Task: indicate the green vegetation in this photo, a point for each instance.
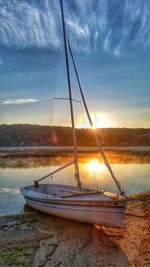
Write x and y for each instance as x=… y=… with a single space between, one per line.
x=14 y=256
x=37 y=135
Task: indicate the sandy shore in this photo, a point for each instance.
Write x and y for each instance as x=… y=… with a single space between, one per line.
x=35 y=239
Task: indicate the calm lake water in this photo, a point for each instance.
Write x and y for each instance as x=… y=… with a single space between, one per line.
x=131 y=169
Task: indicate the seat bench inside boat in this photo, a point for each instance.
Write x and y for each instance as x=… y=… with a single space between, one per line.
x=66 y=191
x=59 y=190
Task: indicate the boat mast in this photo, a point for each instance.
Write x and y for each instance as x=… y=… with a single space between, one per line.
x=77 y=176
x=91 y=124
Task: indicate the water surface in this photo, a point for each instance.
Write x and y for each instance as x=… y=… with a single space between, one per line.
x=131 y=169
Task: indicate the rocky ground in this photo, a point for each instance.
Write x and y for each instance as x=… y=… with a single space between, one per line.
x=38 y=240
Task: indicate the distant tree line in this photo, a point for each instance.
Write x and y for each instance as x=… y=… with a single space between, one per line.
x=37 y=135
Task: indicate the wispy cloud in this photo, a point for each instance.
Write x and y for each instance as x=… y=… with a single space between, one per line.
x=1 y=62
x=18 y=101
x=104 y=23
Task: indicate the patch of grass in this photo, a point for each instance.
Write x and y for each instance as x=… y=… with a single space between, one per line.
x=15 y=255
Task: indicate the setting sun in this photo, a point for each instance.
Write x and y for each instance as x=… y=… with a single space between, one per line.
x=100 y=120
x=94 y=128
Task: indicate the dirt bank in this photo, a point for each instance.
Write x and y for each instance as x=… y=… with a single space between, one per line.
x=34 y=239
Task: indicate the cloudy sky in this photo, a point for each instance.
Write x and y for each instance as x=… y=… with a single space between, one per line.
x=111 y=43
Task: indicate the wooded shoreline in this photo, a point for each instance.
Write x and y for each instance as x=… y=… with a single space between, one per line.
x=40 y=135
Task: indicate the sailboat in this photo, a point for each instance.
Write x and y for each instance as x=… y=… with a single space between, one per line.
x=70 y=202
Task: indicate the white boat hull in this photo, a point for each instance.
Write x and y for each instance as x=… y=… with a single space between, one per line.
x=85 y=209
x=99 y=215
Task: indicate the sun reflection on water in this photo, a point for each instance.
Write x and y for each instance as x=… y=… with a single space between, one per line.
x=94 y=165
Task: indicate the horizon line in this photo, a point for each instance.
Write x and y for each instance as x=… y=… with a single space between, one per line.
x=67 y=126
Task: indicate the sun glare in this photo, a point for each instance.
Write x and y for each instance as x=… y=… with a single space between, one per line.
x=94 y=165
x=100 y=120
x=94 y=128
